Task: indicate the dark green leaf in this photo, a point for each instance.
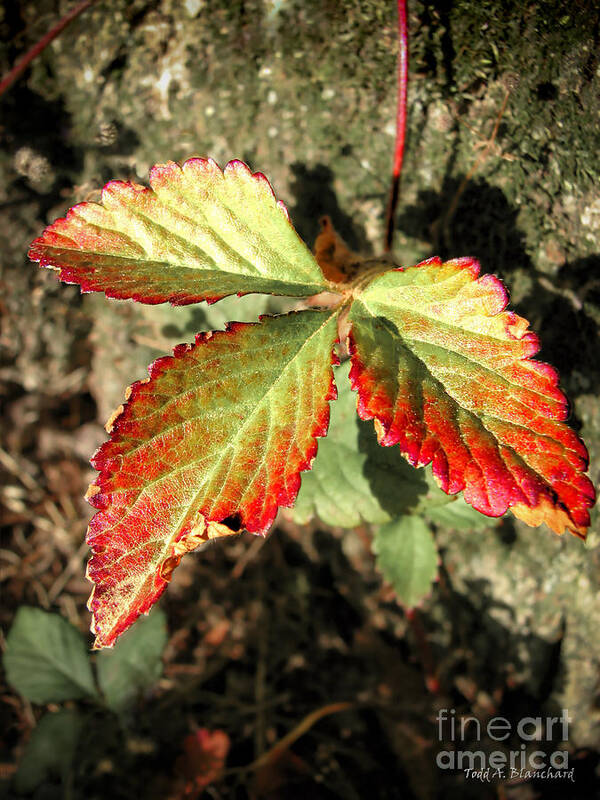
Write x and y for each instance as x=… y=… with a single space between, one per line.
x=50 y=751
x=354 y=479
x=135 y=662
x=46 y=658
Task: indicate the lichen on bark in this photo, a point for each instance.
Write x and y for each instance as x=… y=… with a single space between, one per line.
x=305 y=92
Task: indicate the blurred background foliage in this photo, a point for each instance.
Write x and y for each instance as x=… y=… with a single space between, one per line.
x=502 y=163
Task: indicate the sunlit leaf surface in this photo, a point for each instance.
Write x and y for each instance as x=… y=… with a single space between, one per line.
x=447 y=374
x=198 y=234
x=214 y=442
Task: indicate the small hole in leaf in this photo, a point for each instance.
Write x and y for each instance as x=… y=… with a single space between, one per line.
x=234 y=522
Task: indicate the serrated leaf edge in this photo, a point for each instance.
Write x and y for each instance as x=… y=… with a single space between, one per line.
x=187 y=539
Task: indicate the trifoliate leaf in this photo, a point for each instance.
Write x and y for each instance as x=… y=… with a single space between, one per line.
x=448 y=375
x=198 y=234
x=213 y=442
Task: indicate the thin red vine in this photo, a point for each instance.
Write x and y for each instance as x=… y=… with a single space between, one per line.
x=37 y=48
x=400 y=123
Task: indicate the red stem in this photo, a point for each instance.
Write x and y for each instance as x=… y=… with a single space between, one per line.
x=37 y=48
x=400 y=123
x=431 y=680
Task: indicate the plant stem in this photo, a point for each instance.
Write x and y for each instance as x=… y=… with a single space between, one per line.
x=301 y=728
x=400 y=123
x=41 y=45
x=431 y=680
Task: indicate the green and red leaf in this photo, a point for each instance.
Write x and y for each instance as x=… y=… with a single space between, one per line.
x=212 y=443
x=200 y=233
x=354 y=480
x=448 y=375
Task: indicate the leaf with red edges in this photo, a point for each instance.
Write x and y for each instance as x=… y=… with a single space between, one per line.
x=212 y=443
x=447 y=374
x=198 y=234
